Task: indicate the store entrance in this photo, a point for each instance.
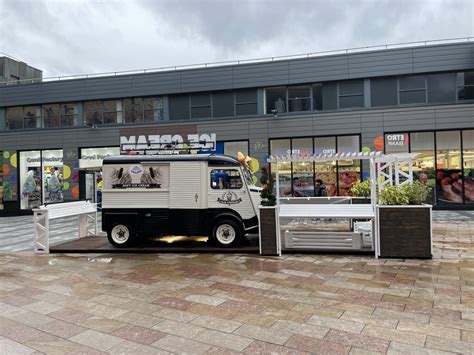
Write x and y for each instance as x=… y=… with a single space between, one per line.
x=93 y=187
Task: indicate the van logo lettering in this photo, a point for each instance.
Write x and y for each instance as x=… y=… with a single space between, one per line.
x=229 y=198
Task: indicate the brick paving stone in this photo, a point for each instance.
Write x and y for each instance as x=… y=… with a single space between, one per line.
x=397 y=348
x=429 y=329
x=101 y=324
x=139 y=319
x=175 y=303
x=316 y=346
x=177 y=328
x=369 y=319
x=20 y=333
x=139 y=334
x=301 y=329
x=42 y=307
x=8 y=346
x=70 y=315
x=357 y=340
x=260 y=347
x=458 y=346
x=394 y=335
x=272 y=335
x=61 y=329
x=97 y=340
x=340 y=324
x=204 y=299
x=181 y=345
x=224 y=340
x=132 y=348
x=223 y=325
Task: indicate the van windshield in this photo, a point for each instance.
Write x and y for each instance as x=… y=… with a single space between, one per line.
x=248 y=177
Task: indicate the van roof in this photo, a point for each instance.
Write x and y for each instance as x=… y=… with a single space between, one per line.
x=213 y=159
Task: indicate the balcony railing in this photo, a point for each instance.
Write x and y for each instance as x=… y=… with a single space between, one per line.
x=245 y=61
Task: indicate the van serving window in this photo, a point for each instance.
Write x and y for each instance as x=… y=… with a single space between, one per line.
x=225 y=179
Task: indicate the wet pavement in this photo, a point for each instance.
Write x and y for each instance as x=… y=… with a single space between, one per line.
x=222 y=304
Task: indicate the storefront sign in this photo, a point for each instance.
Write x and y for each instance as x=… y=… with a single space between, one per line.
x=142 y=143
x=400 y=140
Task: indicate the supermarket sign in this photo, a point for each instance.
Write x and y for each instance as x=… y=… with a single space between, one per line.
x=396 y=140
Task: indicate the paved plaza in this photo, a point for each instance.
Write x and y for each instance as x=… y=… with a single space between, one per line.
x=224 y=304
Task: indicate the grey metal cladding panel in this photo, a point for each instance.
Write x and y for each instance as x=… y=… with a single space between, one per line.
x=257 y=75
x=15 y=95
x=108 y=87
x=449 y=58
x=189 y=76
x=400 y=55
x=156 y=83
x=72 y=90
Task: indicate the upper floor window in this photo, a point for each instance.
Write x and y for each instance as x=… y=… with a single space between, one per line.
x=223 y=104
x=152 y=109
x=226 y=179
x=275 y=100
x=383 y=92
x=465 y=85
x=412 y=89
x=201 y=105
x=14 y=117
x=351 y=94
x=246 y=102
x=59 y=115
x=441 y=87
x=299 y=98
x=102 y=112
x=179 y=107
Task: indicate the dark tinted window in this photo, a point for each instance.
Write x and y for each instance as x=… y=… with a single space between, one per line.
x=179 y=107
x=317 y=97
x=412 y=89
x=223 y=104
x=465 y=86
x=351 y=94
x=330 y=96
x=246 y=102
x=201 y=105
x=441 y=87
x=383 y=92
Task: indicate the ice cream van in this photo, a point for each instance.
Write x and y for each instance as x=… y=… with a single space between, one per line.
x=179 y=194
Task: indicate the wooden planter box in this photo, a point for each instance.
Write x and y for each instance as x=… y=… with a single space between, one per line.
x=269 y=231
x=404 y=231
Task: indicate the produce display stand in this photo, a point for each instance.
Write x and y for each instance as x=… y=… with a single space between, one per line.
x=396 y=169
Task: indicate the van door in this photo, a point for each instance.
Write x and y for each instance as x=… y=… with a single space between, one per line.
x=227 y=191
x=187 y=200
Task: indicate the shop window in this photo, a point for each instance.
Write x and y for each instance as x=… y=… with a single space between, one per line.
x=41 y=177
x=133 y=110
x=68 y=115
x=93 y=113
x=441 y=88
x=303 y=172
x=51 y=116
x=179 y=107
x=275 y=100
x=229 y=179
x=1 y=180
x=200 y=105
x=281 y=147
x=14 y=117
x=383 y=92
x=348 y=171
x=465 y=85
x=330 y=96
x=299 y=98
x=351 y=94
x=152 y=109
x=422 y=143
x=412 y=89
x=223 y=104
x=317 y=97
x=448 y=165
x=325 y=171
x=246 y=102
x=232 y=148
x=468 y=155
x=32 y=116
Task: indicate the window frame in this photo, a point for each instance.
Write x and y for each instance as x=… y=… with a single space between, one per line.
x=226 y=170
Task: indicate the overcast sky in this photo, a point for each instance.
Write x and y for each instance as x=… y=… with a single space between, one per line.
x=76 y=37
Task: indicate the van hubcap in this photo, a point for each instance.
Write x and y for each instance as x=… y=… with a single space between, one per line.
x=120 y=234
x=225 y=234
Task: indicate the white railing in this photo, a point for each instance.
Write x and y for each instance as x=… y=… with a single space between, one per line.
x=244 y=61
x=85 y=210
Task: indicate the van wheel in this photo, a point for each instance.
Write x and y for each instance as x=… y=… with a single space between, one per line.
x=226 y=233
x=121 y=236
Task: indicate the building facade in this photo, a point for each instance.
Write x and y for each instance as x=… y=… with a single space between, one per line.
x=412 y=99
x=13 y=71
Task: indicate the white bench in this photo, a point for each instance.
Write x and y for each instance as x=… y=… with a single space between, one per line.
x=321 y=239
x=85 y=210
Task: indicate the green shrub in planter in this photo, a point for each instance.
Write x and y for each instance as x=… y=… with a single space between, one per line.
x=408 y=194
x=361 y=189
x=268 y=198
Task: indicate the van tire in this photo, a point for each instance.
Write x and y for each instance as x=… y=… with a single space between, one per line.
x=121 y=235
x=226 y=233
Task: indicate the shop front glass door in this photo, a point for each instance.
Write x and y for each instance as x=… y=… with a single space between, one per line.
x=449 y=180
x=303 y=173
x=468 y=157
x=325 y=171
x=422 y=143
x=348 y=170
x=281 y=147
x=30 y=179
x=52 y=167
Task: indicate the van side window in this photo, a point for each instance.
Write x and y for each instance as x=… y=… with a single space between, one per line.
x=225 y=179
